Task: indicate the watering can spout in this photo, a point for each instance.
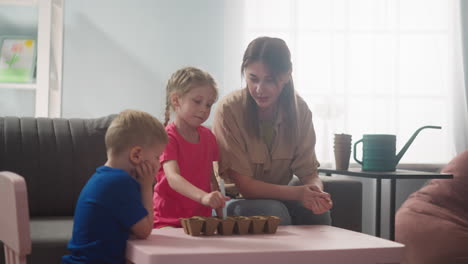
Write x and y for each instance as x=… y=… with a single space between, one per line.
x=407 y=145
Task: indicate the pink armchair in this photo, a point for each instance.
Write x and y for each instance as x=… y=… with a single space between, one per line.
x=14 y=223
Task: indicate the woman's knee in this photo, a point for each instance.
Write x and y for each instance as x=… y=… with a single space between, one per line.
x=303 y=216
x=245 y=207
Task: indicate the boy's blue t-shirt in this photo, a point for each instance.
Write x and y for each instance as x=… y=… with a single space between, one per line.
x=108 y=206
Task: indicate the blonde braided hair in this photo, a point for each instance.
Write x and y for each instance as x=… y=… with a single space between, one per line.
x=181 y=82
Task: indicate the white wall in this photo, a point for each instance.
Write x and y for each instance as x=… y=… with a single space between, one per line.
x=464 y=18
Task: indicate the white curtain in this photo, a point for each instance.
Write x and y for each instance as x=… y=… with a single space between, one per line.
x=366 y=66
x=459 y=91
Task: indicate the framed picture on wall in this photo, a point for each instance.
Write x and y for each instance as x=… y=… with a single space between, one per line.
x=17 y=59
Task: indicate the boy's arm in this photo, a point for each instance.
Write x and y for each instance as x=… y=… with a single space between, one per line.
x=181 y=185
x=145 y=175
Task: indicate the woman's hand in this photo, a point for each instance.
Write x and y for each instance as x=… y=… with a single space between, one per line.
x=316 y=200
x=214 y=200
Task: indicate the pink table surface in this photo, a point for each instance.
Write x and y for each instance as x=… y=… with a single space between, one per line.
x=290 y=244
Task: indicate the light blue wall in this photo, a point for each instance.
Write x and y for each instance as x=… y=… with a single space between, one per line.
x=119 y=54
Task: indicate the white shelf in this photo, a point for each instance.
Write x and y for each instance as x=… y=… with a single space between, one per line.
x=48 y=85
x=21 y=86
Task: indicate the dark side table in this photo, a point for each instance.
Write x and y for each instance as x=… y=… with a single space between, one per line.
x=392 y=176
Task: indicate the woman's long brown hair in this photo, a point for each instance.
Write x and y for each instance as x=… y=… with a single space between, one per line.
x=275 y=55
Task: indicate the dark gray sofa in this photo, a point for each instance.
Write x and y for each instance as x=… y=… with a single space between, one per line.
x=57 y=156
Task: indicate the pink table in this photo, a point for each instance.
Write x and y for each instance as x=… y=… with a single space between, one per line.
x=291 y=244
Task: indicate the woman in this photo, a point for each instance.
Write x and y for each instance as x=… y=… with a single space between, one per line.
x=265 y=135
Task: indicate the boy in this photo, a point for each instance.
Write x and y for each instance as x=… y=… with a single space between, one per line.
x=117 y=200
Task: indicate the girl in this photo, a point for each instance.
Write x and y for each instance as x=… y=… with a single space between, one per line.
x=183 y=182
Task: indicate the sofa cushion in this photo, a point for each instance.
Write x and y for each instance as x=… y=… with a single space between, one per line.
x=433 y=222
x=347 y=201
x=49 y=236
x=51 y=230
x=55 y=156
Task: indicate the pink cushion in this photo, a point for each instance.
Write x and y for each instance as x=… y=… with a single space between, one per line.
x=433 y=222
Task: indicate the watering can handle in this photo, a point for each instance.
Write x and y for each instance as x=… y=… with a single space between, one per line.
x=354 y=151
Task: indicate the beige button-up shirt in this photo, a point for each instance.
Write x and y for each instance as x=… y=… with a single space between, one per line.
x=250 y=156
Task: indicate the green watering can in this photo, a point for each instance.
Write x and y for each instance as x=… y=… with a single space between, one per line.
x=378 y=151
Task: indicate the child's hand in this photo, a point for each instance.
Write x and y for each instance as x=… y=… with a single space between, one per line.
x=214 y=200
x=145 y=173
x=316 y=200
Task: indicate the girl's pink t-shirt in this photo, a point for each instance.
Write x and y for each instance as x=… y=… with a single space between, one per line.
x=195 y=162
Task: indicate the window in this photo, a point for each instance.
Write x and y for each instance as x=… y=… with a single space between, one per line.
x=368 y=67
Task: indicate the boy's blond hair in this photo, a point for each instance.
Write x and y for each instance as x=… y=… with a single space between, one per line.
x=133 y=127
x=182 y=81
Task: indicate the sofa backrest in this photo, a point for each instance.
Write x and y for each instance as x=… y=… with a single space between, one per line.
x=55 y=156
